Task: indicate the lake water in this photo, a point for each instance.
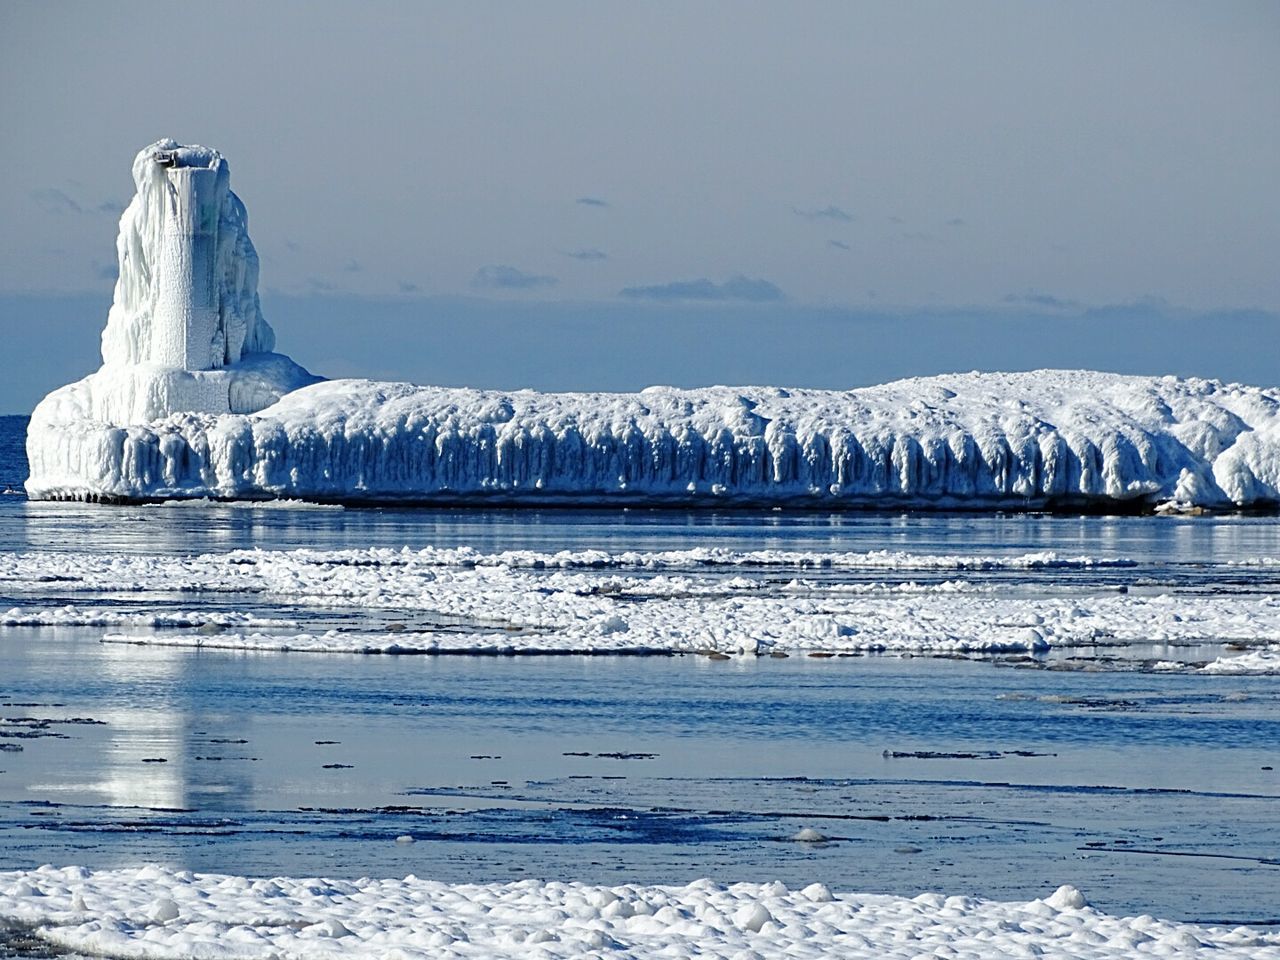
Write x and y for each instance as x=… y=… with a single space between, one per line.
x=1001 y=777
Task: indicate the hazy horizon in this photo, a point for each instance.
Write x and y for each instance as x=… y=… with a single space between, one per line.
x=786 y=178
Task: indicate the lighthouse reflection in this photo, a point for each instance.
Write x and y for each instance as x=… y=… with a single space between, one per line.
x=166 y=749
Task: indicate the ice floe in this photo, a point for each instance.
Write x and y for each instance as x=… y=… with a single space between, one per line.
x=1257 y=661
x=464 y=601
x=70 y=615
x=152 y=912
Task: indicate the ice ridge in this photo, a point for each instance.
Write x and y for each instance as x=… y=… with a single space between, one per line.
x=1024 y=440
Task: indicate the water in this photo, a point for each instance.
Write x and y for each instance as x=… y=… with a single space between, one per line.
x=998 y=777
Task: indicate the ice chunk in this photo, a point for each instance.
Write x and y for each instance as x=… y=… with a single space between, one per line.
x=162 y=911
x=333 y=927
x=752 y=917
x=1067 y=897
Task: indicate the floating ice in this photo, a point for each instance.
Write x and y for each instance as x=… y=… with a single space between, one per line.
x=190 y=403
x=1263 y=660
x=462 y=601
x=157 y=913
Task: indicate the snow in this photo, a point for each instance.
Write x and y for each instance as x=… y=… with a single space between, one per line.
x=1263 y=660
x=191 y=403
x=154 y=912
x=752 y=602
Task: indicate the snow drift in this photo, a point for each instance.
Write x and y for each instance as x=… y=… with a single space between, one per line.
x=191 y=403
x=157 y=913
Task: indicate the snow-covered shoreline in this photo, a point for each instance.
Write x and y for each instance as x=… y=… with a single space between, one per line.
x=155 y=913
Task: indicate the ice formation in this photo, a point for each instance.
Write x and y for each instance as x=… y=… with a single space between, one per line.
x=188 y=404
x=158 y=913
x=184 y=334
x=443 y=601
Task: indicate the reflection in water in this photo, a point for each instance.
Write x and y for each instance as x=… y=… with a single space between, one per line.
x=156 y=748
x=206 y=527
x=144 y=758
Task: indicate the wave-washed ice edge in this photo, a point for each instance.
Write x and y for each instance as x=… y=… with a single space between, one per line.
x=73 y=616
x=154 y=913
x=718 y=601
x=1042 y=439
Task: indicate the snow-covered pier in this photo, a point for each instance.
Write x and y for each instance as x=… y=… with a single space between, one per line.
x=190 y=402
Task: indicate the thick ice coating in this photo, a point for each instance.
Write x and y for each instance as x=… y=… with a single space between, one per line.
x=190 y=404
x=187 y=293
x=1051 y=438
x=185 y=332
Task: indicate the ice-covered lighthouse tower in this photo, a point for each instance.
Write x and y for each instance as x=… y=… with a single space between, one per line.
x=187 y=332
x=187 y=297
x=184 y=336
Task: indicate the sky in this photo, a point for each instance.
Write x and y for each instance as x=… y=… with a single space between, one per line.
x=606 y=195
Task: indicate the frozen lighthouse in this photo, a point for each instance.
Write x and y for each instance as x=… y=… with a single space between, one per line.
x=185 y=334
x=186 y=301
x=192 y=186
x=191 y=402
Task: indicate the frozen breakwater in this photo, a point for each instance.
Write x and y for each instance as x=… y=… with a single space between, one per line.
x=190 y=402
x=1033 y=440
x=156 y=913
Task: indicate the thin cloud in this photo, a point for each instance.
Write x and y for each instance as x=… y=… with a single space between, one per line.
x=826 y=213
x=838 y=244
x=1033 y=299
x=589 y=254
x=592 y=202
x=499 y=276
x=53 y=200
x=735 y=288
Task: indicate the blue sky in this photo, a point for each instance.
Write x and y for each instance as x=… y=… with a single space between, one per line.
x=1092 y=183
